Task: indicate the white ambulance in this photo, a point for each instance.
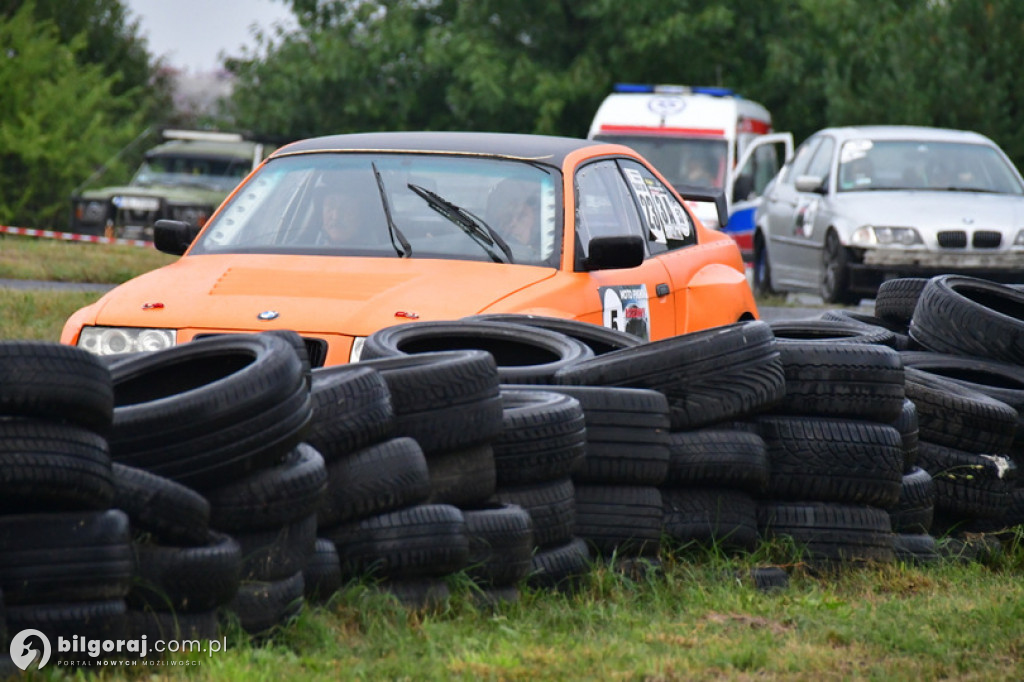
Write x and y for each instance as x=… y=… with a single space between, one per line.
x=703 y=140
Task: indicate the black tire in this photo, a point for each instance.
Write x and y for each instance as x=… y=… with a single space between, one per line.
x=600 y=339
x=851 y=380
x=906 y=424
x=762 y=284
x=718 y=457
x=835 y=272
x=261 y=605
x=627 y=434
x=999 y=380
x=524 y=355
x=92 y=619
x=969 y=316
x=833 y=460
x=708 y=376
x=173 y=513
x=50 y=466
x=916 y=548
x=900 y=338
x=619 y=520
x=500 y=544
x=301 y=351
x=831 y=332
x=271 y=497
x=915 y=510
x=422 y=541
x=897 y=298
x=950 y=414
x=462 y=477
x=278 y=553
x=968 y=484
x=710 y=516
x=67 y=556
x=544 y=437
x=186 y=579
x=561 y=567
x=208 y=411
x=375 y=480
x=351 y=407
x=446 y=400
x=47 y=380
x=322 y=575
x=830 y=532
x=551 y=506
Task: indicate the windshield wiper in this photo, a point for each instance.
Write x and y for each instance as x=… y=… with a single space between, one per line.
x=405 y=250
x=473 y=226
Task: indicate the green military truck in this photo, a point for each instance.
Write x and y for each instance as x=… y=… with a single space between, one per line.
x=184 y=178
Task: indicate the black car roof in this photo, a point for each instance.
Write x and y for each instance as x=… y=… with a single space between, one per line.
x=549 y=149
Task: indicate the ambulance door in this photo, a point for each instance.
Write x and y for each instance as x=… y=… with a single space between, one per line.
x=760 y=162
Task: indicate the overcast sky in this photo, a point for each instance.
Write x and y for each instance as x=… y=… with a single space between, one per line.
x=190 y=34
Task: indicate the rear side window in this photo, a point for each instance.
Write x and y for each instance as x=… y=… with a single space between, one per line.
x=668 y=224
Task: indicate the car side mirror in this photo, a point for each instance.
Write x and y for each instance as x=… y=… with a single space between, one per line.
x=710 y=196
x=614 y=253
x=810 y=183
x=173 y=236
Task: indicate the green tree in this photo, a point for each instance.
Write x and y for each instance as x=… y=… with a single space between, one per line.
x=61 y=120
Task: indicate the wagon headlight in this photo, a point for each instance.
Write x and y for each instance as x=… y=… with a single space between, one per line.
x=89 y=211
x=869 y=235
x=1019 y=241
x=118 y=340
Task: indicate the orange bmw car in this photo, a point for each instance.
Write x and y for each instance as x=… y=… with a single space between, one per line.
x=336 y=237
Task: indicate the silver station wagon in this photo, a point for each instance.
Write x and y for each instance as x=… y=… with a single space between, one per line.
x=859 y=205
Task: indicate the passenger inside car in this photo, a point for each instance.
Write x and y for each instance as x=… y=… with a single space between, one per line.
x=856 y=173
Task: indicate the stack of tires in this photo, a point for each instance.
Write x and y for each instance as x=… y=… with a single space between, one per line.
x=393 y=510
x=223 y=417
x=968 y=386
x=836 y=456
x=713 y=382
x=65 y=554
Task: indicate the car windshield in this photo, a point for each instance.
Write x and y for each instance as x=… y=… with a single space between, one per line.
x=198 y=171
x=872 y=165
x=689 y=161
x=394 y=205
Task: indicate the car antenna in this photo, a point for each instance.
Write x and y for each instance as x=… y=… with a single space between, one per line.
x=406 y=250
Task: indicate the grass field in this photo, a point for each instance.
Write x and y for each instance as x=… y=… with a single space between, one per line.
x=954 y=620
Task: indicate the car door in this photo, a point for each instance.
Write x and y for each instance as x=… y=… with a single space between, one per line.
x=759 y=163
x=672 y=238
x=781 y=203
x=809 y=221
x=639 y=300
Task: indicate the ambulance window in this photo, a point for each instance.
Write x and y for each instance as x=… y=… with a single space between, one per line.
x=604 y=207
x=668 y=223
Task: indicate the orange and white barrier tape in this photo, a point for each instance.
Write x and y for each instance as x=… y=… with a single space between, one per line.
x=71 y=236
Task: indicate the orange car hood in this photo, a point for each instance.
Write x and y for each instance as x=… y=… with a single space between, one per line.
x=311 y=294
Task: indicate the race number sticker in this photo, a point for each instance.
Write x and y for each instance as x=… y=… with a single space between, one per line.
x=665 y=217
x=625 y=308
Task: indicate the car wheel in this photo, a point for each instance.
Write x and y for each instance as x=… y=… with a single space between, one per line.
x=835 y=273
x=762 y=269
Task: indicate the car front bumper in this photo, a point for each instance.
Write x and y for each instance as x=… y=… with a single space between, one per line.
x=870 y=267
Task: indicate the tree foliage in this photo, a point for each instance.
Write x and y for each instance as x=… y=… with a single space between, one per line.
x=543 y=67
x=61 y=120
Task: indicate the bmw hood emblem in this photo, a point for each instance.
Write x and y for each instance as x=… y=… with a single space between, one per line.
x=269 y=315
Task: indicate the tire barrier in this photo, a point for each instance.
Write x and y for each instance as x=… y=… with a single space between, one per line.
x=225 y=481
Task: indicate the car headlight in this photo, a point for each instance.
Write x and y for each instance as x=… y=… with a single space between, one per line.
x=869 y=235
x=118 y=340
x=1019 y=241
x=90 y=211
x=357 y=349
